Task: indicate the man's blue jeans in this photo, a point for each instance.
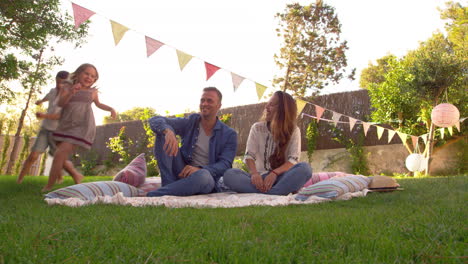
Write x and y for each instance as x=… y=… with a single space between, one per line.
x=199 y=182
x=286 y=183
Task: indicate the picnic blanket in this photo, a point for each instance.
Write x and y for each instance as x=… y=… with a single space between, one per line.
x=214 y=200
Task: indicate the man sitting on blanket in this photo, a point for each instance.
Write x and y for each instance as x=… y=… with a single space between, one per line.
x=208 y=149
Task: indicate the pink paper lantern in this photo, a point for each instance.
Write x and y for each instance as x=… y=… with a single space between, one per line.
x=445 y=115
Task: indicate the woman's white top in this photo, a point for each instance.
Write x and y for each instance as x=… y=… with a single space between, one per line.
x=260 y=146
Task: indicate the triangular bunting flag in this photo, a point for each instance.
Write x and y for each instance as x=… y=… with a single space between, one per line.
x=424 y=137
x=81 y=14
x=118 y=30
x=319 y=112
x=210 y=70
x=336 y=117
x=352 y=122
x=442 y=131
x=236 y=80
x=152 y=45
x=300 y=106
x=380 y=131
x=458 y=125
x=450 y=130
x=260 y=90
x=414 y=139
x=366 y=127
x=402 y=137
x=184 y=58
x=391 y=134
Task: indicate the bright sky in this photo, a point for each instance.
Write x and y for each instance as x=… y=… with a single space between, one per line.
x=237 y=36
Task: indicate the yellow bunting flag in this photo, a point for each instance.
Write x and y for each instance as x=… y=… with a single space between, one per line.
x=442 y=132
x=391 y=134
x=319 y=112
x=366 y=127
x=260 y=90
x=450 y=130
x=300 y=106
x=184 y=58
x=118 y=30
x=380 y=131
x=402 y=137
x=424 y=137
x=352 y=122
x=81 y=14
x=236 y=80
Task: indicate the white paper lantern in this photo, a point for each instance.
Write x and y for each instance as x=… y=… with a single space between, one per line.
x=445 y=115
x=415 y=162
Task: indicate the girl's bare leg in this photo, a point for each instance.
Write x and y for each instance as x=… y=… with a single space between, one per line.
x=27 y=165
x=77 y=177
x=64 y=149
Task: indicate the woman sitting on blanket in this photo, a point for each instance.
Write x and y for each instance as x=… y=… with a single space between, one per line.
x=272 y=153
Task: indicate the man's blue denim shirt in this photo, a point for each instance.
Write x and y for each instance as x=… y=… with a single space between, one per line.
x=223 y=141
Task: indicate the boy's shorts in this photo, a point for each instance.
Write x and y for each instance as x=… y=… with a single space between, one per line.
x=44 y=140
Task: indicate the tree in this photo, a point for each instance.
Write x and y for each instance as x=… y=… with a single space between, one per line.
x=136 y=113
x=312 y=55
x=375 y=74
x=28 y=29
x=457 y=27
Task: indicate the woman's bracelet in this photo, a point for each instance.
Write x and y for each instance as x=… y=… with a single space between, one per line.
x=274 y=172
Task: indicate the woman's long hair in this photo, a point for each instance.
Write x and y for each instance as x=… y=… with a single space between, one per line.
x=282 y=127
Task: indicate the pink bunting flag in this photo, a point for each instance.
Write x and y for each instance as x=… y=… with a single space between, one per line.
x=210 y=70
x=414 y=139
x=236 y=80
x=352 y=122
x=458 y=125
x=366 y=127
x=402 y=137
x=319 y=112
x=336 y=117
x=152 y=45
x=380 y=131
x=81 y=14
x=391 y=134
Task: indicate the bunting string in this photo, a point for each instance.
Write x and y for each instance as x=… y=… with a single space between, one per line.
x=82 y=14
x=336 y=117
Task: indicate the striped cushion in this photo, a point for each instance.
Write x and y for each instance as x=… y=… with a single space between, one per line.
x=90 y=190
x=134 y=173
x=334 y=187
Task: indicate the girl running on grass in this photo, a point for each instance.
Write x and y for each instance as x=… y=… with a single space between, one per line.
x=76 y=125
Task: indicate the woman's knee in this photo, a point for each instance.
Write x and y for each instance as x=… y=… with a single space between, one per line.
x=231 y=176
x=304 y=169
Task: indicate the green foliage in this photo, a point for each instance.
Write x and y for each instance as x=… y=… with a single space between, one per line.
x=27 y=28
x=88 y=162
x=311 y=136
x=43 y=163
x=312 y=54
x=226 y=119
x=240 y=164
x=135 y=113
x=121 y=145
x=355 y=149
x=457 y=27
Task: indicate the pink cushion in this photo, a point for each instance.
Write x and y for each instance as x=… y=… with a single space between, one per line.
x=322 y=176
x=134 y=173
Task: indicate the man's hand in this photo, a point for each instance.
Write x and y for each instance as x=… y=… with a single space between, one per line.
x=257 y=181
x=171 y=145
x=187 y=171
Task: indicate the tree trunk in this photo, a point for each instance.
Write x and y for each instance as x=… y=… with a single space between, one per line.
x=14 y=151
x=430 y=145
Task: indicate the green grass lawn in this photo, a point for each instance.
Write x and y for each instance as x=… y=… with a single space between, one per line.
x=425 y=223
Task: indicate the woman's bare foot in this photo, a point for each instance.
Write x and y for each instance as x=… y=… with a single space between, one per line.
x=78 y=178
x=46 y=189
x=20 y=178
x=59 y=180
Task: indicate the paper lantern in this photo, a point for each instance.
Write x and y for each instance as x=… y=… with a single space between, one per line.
x=415 y=162
x=445 y=115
